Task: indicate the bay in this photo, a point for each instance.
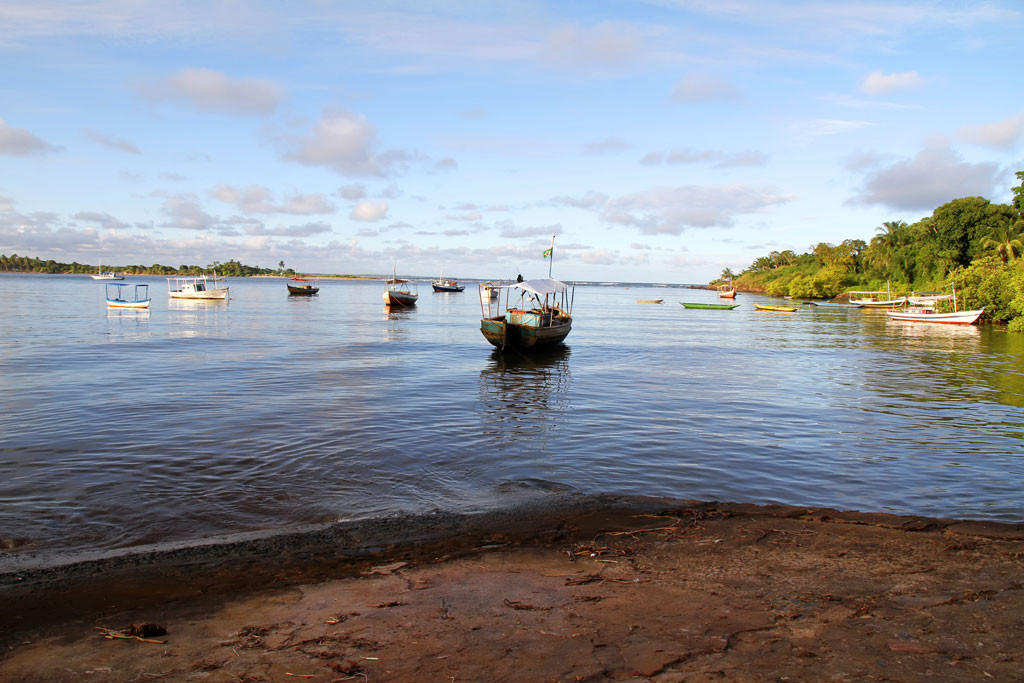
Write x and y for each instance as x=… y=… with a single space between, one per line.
x=120 y=428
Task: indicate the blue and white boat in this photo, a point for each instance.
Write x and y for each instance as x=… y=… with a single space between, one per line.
x=121 y=295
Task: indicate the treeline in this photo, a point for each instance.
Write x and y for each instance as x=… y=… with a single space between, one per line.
x=27 y=264
x=969 y=243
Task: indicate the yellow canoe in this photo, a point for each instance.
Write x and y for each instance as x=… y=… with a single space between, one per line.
x=779 y=309
x=649 y=301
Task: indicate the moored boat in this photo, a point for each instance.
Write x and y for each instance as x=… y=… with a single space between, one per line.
x=122 y=296
x=928 y=315
x=727 y=291
x=777 y=309
x=541 y=316
x=303 y=286
x=882 y=298
x=201 y=287
x=714 y=307
x=445 y=284
x=106 y=274
x=834 y=304
x=398 y=293
x=649 y=301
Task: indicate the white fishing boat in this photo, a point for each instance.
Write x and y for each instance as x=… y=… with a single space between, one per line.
x=925 y=313
x=106 y=274
x=881 y=298
x=203 y=287
x=927 y=299
x=489 y=292
x=398 y=292
x=121 y=295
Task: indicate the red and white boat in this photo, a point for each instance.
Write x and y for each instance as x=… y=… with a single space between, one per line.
x=928 y=315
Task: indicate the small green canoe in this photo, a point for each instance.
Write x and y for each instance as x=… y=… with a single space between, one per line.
x=715 y=307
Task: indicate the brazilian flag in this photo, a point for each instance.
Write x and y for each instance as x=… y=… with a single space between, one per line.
x=547 y=253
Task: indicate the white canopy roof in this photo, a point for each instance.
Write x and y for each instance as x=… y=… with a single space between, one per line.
x=541 y=286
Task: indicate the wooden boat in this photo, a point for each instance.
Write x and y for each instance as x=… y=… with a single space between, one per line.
x=714 y=307
x=538 y=315
x=398 y=292
x=928 y=315
x=649 y=301
x=489 y=292
x=834 y=304
x=118 y=296
x=106 y=274
x=727 y=291
x=200 y=287
x=303 y=286
x=446 y=285
x=777 y=309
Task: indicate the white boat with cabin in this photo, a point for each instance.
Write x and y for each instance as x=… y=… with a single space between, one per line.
x=202 y=287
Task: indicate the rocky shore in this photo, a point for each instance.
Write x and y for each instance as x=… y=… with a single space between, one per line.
x=580 y=588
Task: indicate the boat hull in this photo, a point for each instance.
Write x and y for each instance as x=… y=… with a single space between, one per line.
x=112 y=303
x=522 y=337
x=830 y=304
x=393 y=298
x=879 y=304
x=302 y=291
x=649 y=301
x=209 y=294
x=107 y=277
x=727 y=295
x=710 y=307
x=447 y=288
x=776 y=309
x=959 y=318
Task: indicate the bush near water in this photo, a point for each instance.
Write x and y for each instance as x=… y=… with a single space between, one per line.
x=969 y=243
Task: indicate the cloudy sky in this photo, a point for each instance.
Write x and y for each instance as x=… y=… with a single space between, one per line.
x=660 y=141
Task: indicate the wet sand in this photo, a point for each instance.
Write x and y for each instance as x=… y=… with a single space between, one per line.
x=583 y=588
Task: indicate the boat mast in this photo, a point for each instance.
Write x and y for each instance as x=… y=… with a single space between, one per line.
x=551 y=258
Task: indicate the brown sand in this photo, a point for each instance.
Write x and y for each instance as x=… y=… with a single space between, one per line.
x=604 y=590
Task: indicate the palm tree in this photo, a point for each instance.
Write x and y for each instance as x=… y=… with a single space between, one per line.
x=727 y=275
x=1007 y=240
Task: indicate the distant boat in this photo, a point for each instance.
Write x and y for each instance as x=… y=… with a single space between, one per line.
x=489 y=292
x=443 y=284
x=713 y=307
x=539 y=319
x=777 y=309
x=398 y=293
x=727 y=291
x=649 y=301
x=876 y=299
x=204 y=287
x=106 y=274
x=303 y=286
x=118 y=296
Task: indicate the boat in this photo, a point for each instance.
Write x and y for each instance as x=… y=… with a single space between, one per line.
x=925 y=312
x=117 y=296
x=727 y=291
x=834 y=304
x=539 y=318
x=875 y=298
x=928 y=299
x=649 y=301
x=398 y=293
x=777 y=309
x=106 y=274
x=714 y=307
x=303 y=286
x=489 y=292
x=928 y=315
x=444 y=284
x=203 y=287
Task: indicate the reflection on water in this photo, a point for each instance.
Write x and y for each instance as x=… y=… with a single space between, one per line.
x=524 y=397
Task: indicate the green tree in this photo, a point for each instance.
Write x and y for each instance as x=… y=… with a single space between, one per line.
x=1006 y=240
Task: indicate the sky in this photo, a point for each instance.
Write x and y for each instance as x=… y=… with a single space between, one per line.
x=658 y=141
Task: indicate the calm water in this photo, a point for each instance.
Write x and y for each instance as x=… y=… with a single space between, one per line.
x=122 y=427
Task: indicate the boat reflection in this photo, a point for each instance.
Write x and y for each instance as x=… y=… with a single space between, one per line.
x=397 y=318
x=197 y=304
x=525 y=397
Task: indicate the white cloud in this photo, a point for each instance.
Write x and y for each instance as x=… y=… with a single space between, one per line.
x=352 y=192
x=18 y=142
x=999 y=134
x=111 y=142
x=591 y=200
x=607 y=46
x=103 y=220
x=214 y=91
x=599 y=257
x=698 y=88
x=369 y=211
x=6 y=204
x=305 y=230
x=345 y=142
x=716 y=158
x=671 y=210
x=511 y=230
x=932 y=178
x=185 y=213
x=823 y=127
x=258 y=199
x=878 y=83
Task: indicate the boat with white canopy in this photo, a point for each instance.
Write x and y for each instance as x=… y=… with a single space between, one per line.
x=203 y=287
x=538 y=314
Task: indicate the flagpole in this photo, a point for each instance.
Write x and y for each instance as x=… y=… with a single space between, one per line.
x=551 y=259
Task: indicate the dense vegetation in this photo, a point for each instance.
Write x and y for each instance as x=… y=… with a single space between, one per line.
x=969 y=243
x=26 y=264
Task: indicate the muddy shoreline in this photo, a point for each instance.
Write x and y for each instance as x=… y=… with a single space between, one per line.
x=598 y=587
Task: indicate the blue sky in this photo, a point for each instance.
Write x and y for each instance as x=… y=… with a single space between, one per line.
x=660 y=141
